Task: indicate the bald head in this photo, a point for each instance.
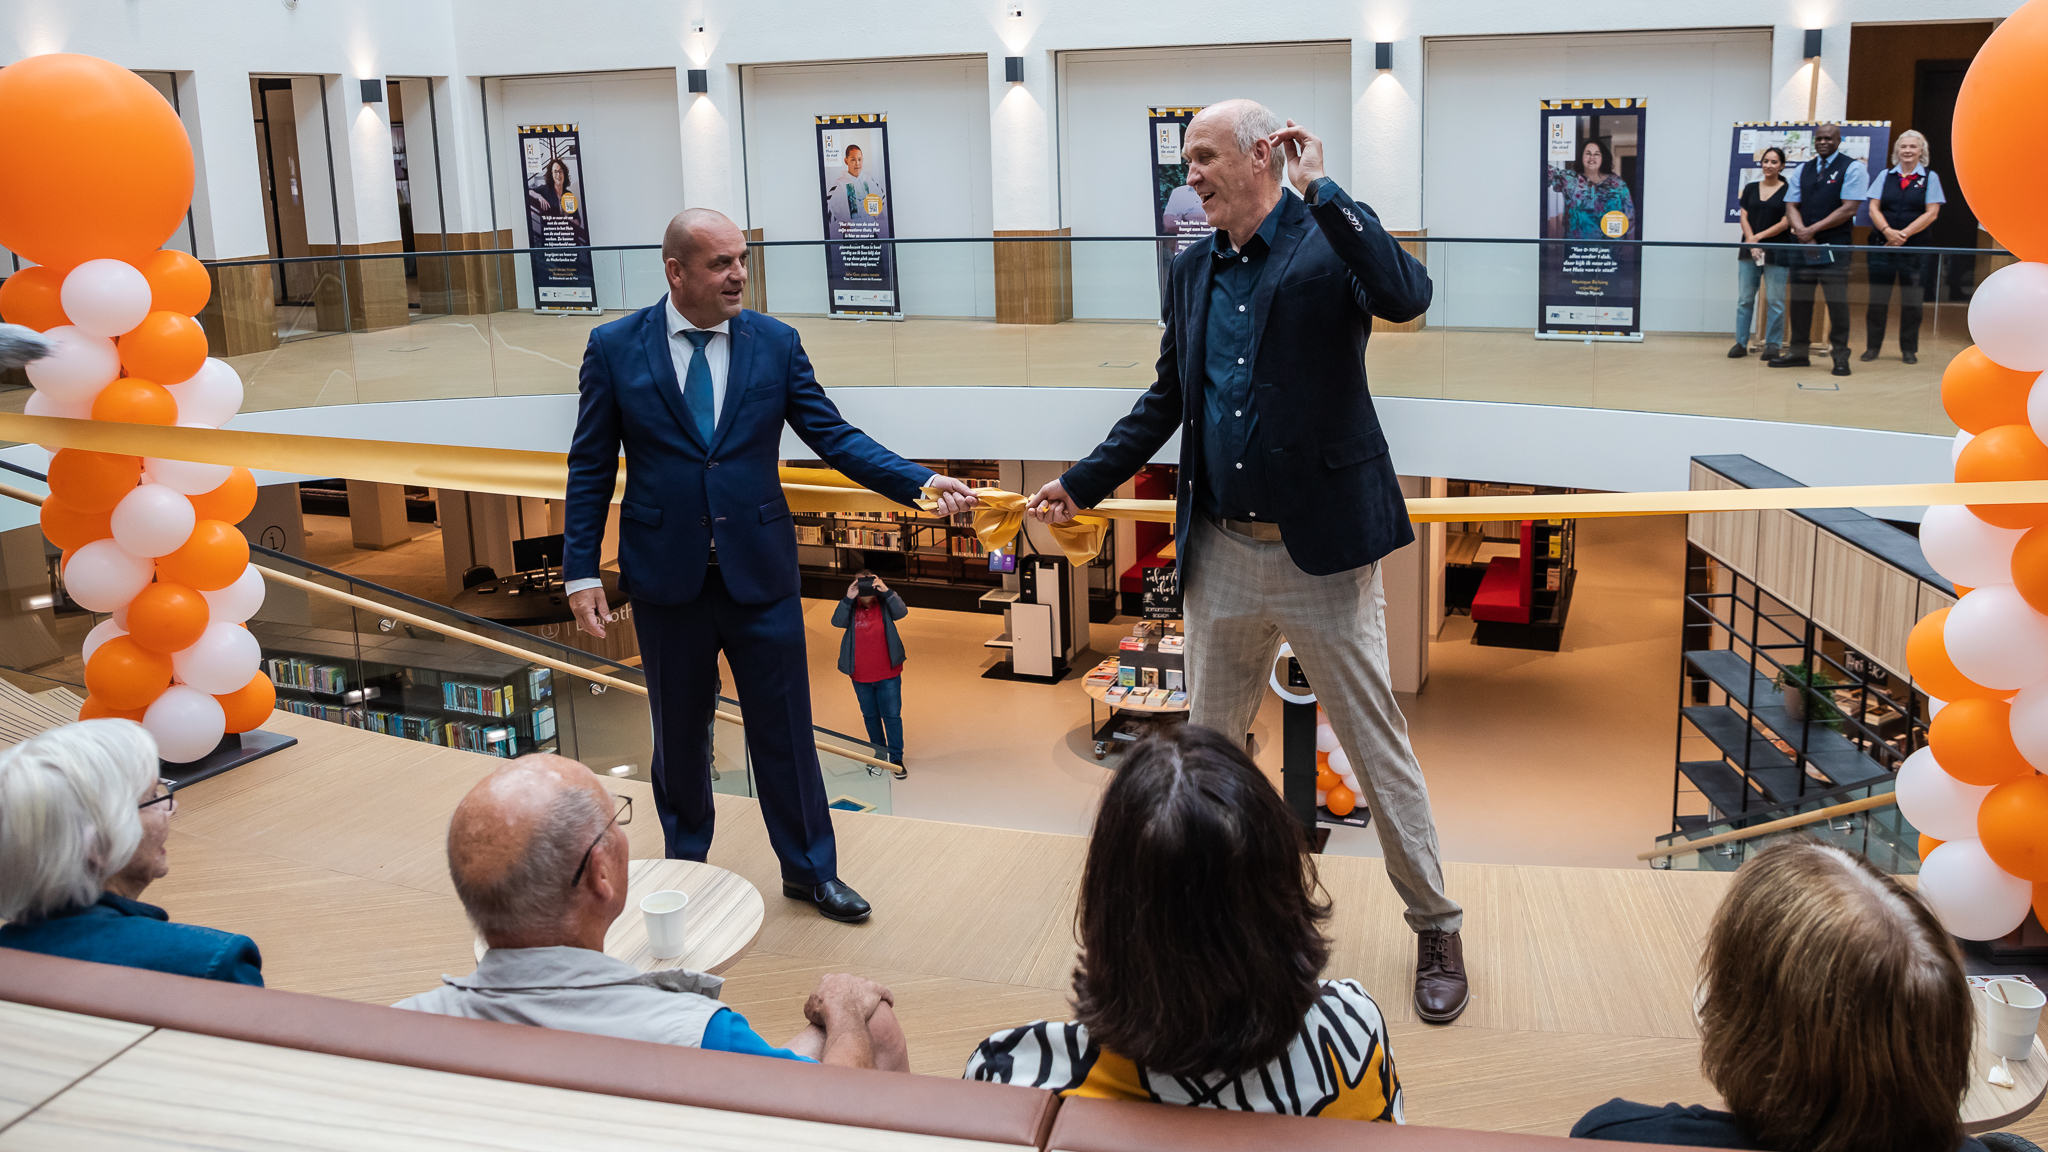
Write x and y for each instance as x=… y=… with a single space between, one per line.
x=705 y=257
x=1243 y=122
x=1233 y=166
x=515 y=841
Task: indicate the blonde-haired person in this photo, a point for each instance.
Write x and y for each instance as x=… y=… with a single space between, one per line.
x=1834 y=1016
x=1904 y=200
x=83 y=821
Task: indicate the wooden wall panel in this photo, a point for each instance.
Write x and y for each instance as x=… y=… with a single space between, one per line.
x=1729 y=537
x=466 y=285
x=756 y=296
x=375 y=293
x=1784 y=557
x=1871 y=605
x=1034 y=282
x=1932 y=599
x=241 y=315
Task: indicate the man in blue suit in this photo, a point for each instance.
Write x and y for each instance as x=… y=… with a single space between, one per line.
x=697 y=390
x=1288 y=499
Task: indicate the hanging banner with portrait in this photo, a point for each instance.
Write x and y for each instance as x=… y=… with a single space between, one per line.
x=1861 y=140
x=1177 y=215
x=853 y=184
x=564 y=280
x=1591 y=193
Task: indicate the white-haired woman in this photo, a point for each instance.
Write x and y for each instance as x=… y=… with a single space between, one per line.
x=83 y=820
x=1904 y=199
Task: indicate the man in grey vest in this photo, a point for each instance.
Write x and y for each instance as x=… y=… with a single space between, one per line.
x=540 y=864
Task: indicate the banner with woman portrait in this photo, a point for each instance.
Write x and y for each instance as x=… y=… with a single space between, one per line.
x=1177 y=215
x=552 y=158
x=853 y=183
x=1591 y=191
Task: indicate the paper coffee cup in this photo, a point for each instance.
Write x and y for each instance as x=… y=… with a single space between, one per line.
x=2012 y=1015
x=666 y=913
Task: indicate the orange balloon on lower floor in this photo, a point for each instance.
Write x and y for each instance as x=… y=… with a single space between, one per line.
x=95 y=708
x=124 y=674
x=1972 y=741
x=248 y=706
x=70 y=529
x=1933 y=672
x=2013 y=826
x=1929 y=844
x=230 y=503
x=1340 y=801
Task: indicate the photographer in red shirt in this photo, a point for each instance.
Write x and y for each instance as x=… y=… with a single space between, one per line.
x=872 y=655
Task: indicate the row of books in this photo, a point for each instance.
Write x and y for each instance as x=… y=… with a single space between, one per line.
x=457 y=696
x=291 y=672
x=328 y=712
x=1145 y=697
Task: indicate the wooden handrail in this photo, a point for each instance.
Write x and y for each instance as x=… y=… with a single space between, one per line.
x=467 y=636
x=1881 y=800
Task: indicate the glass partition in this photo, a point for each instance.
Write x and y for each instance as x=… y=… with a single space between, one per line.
x=1882 y=834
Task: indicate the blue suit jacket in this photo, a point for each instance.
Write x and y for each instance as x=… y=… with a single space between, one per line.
x=681 y=493
x=117 y=930
x=1331 y=270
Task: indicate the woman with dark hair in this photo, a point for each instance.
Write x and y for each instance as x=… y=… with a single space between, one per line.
x=1762 y=219
x=1597 y=202
x=546 y=193
x=1834 y=1016
x=1200 y=924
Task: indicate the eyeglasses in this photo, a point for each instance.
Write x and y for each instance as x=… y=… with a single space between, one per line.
x=164 y=796
x=621 y=817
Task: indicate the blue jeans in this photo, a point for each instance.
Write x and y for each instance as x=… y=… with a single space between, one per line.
x=881 y=705
x=1748 y=273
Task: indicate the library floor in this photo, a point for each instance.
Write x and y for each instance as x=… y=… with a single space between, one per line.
x=1531 y=757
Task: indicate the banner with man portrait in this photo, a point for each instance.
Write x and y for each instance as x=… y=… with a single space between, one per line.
x=1590 y=192
x=854 y=189
x=1177 y=215
x=552 y=158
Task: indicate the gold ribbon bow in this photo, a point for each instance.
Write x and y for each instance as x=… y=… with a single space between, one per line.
x=1001 y=516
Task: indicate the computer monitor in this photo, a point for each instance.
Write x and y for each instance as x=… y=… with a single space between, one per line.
x=537 y=553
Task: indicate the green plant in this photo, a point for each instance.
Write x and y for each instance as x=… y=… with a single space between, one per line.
x=1813 y=683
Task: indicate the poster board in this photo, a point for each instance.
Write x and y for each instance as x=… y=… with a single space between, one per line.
x=1588 y=289
x=1867 y=140
x=1177 y=216
x=551 y=159
x=855 y=195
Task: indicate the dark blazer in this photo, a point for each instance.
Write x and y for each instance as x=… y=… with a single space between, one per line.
x=893 y=609
x=1331 y=270
x=681 y=493
x=117 y=930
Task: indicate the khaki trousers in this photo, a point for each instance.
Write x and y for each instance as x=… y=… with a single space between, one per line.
x=1241 y=598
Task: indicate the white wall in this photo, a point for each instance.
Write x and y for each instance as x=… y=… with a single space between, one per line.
x=938 y=175
x=631 y=132
x=1481 y=159
x=1106 y=157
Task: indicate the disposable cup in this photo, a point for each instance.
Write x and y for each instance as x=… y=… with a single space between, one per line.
x=666 y=913
x=2012 y=1015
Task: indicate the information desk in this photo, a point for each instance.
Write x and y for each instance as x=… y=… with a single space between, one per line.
x=544 y=612
x=723 y=920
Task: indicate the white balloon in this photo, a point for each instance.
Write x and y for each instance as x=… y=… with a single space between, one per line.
x=221 y=661
x=238 y=601
x=1340 y=763
x=186 y=722
x=153 y=520
x=101 y=632
x=1934 y=707
x=1326 y=738
x=1996 y=638
x=109 y=297
x=41 y=403
x=1963 y=439
x=1973 y=896
x=2029 y=723
x=1322 y=797
x=102 y=576
x=2005 y=317
x=211 y=397
x=1934 y=801
x=194 y=479
x=1965 y=549
x=77 y=368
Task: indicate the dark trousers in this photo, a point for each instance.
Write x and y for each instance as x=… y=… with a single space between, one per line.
x=881 y=705
x=764 y=644
x=1909 y=270
x=1832 y=279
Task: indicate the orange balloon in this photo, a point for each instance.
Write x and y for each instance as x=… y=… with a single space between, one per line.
x=231 y=502
x=125 y=675
x=2013 y=824
x=134 y=400
x=167 y=618
x=2005 y=82
x=1933 y=672
x=165 y=346
x=210 y=559
x=1340 y=801
x=2006 y=452
x=250 y=705
x=95 y=708
x=1929 y=844
x=1327 y=780
x=69 y=529
x=2041 y=903
x=1972 y=741
x=2030 y=568
x=178 y=282
x=1978 y=393
x=1962 y=590
x=98 y=162
x=29 y=298
x=92 y=481
x=1322 y=761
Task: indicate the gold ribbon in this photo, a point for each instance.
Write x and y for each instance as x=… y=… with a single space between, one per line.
x=1001 y=516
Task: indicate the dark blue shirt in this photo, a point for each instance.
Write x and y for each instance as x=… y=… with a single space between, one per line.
x=1229 y=491
x=1693 y=1127
x=117 y=930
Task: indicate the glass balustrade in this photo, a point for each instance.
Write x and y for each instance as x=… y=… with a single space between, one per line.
x=1882 y=833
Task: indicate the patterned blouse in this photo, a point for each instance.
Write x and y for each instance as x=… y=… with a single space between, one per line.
x=1338 y=1065
x=1586 y=201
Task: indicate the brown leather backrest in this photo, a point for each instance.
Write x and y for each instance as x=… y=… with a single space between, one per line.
x=1118 y=1126
x=577 y=1061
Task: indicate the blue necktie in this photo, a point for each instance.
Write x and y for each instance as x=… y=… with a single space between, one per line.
x=697 y=386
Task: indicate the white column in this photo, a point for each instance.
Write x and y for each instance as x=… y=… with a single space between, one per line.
x=376 y=515
x=1022 y=154
x=422 y=163
x=366 y=176
x=315 y=128
x=227 y=193
x=1386 y=134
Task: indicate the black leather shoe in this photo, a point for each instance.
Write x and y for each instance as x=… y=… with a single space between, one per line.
x=1909 y=357
x=835 y=900
x=1770 y=352
x=1842 y=366
x=1792 y=362
x=1738 y=352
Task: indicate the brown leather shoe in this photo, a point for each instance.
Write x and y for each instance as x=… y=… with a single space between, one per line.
x=1440 y=989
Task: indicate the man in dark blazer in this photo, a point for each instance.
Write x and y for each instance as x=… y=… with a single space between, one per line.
x=1287 y=497
x=697 y=390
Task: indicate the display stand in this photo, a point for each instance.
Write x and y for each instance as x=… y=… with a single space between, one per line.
x=233 y=751
x=1144 y=686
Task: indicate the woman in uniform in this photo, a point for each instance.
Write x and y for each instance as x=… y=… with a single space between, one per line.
x=1904 y=199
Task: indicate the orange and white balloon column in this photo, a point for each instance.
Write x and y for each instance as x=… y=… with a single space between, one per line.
x=100 y=175
x=1977 y=791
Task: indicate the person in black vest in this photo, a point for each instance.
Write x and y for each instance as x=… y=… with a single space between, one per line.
x=1822 y=205
x=1905 y=199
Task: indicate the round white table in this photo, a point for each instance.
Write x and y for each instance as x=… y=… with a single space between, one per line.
x=724 y=918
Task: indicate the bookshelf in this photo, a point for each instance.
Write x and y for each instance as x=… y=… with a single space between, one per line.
x=933 y=560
